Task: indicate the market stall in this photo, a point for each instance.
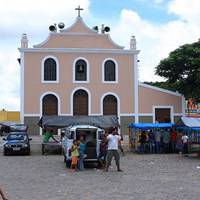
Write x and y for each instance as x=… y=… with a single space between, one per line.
x=135 y=130
x=191 y=127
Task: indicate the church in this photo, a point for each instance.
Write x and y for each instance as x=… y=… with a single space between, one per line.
x=81 y=71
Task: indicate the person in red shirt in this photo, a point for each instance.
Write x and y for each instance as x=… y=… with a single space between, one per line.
x=173 y=140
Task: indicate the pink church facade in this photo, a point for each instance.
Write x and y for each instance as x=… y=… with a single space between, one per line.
x=79 y=71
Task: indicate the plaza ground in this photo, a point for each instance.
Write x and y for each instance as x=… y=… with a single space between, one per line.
x=145 y=177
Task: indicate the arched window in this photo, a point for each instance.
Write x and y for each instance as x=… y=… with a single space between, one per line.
x=109 y=71
x=50 y=73
x=49 y=105
x=81 y=70
x=80 y=102
x=110 y=105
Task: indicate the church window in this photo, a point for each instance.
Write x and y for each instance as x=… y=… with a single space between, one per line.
x=50 y=70
x=109 y=71
x=81 y=70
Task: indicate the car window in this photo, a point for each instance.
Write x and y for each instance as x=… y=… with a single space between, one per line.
x=16 y=137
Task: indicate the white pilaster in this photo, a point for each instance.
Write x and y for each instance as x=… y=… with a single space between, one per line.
x=136 y=88
x=22 y=87
x=183 y=105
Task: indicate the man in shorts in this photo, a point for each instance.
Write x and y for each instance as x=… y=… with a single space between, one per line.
x=113 y=141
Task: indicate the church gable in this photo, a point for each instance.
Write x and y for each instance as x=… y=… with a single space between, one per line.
x=79 y=35
x=79 y=27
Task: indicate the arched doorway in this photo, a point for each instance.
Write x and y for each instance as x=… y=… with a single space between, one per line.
x=49 y=105
x=80 y=102
x=110 y=105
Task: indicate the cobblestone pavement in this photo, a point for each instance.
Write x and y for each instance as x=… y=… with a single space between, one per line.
x=145 y=177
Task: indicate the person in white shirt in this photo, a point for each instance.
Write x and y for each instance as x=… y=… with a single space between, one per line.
x=185 y=143
x=113 y=141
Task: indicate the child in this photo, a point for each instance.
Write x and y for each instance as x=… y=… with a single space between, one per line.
x=75 y=154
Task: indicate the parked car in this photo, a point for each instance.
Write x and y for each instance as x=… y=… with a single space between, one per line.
x=92 y=136
x=17 y=143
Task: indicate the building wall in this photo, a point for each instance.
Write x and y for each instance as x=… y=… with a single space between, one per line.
x=150 y=97
x=124 y=122
x=34 y=88
x=145 y=119
x=79 y=41
x=13 y=116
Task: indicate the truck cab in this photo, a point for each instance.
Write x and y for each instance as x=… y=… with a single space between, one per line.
x=92 y=136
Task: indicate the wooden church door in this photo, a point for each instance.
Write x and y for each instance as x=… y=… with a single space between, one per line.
x=50 y=105
x=80 y=103
x=110 y=105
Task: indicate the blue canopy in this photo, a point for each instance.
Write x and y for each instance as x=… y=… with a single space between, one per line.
x=196 y=129
x=150 y=125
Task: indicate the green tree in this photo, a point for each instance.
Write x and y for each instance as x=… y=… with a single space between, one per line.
x=182 y=70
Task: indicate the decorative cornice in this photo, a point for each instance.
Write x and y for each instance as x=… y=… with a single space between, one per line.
x=79 y=50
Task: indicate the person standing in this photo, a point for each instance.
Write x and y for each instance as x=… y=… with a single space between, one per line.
x=166 y=140
x=120 y=146
x=75 y=155
x=173 y=140
x=113 y=141
x=103 y=151
x=142 y=140
x=82 y=154
x=2 y=195
x=152 y=141
x=179 y=144
x=158 y=139
x=185 y=143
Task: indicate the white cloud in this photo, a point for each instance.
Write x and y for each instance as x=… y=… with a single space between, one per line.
x=35 y=16
x=9 y=81
x=156 y=41
x=188 y=10
x=32 y=17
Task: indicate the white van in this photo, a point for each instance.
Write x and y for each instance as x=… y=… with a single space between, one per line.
x=92 y=136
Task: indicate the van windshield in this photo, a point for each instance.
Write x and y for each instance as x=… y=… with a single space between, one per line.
x=90 y=140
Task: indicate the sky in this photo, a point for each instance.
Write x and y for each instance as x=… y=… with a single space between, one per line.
x=160 y=26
